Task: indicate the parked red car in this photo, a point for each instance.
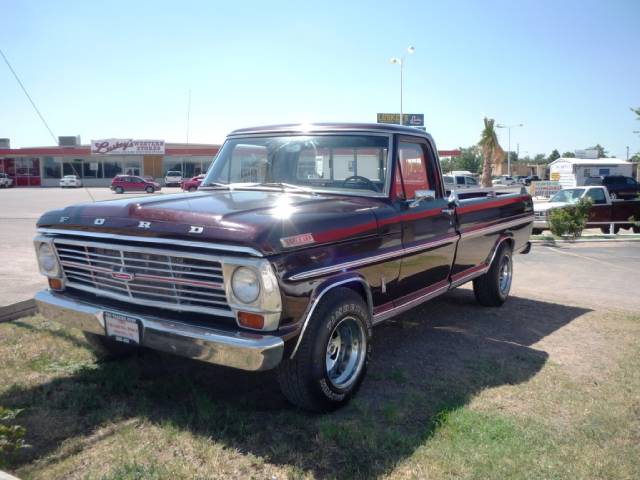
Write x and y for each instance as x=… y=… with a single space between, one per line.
x=192 y=184
x=132 y=183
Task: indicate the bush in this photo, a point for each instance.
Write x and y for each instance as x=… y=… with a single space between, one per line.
x=571 y=220
x=11 y=436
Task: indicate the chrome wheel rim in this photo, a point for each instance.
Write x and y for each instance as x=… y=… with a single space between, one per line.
x=504 y=278
x=345 y=353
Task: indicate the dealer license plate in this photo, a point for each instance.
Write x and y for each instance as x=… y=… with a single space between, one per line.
x=122 y=328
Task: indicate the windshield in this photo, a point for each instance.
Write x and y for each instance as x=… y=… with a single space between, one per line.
x=351 y=164
x=570 y=195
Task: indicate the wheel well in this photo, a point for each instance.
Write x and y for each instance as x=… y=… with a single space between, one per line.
x=358 y=287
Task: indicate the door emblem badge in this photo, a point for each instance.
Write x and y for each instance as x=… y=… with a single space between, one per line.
x=144 y=225
x=196 y=229
x=98 y=221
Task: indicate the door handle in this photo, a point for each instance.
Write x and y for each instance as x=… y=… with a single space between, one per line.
x=449 y=211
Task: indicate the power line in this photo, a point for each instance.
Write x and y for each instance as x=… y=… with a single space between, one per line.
x=55 y=139
x=6 y=60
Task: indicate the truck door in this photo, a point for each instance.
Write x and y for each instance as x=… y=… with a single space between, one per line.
x=429 y=235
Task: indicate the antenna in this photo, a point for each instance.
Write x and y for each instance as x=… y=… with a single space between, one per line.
x=33 y=104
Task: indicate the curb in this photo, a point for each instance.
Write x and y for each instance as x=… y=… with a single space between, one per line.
x=553 y=241
x=17 y=310
x=6 y=476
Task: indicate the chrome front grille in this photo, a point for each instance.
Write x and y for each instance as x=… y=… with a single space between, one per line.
x=145 y=276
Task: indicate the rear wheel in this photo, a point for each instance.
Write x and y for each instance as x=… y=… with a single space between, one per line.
x=119 y=190
x=332 y=358
x=492 y=288
x=149 y=190
x=108 y=349
x=605 y=229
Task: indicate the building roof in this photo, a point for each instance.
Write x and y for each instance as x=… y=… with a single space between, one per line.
x=85 y=150
x=593 y=161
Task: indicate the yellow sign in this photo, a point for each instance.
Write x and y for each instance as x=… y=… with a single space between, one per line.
x=555 y=177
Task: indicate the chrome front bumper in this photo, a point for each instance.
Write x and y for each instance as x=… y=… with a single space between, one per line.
x=242 y=350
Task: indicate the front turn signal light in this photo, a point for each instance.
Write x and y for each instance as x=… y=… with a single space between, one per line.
x=251 y=320
x=55 y=284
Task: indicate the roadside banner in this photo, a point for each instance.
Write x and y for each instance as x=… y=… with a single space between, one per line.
x=544 y=189
x=127 y=146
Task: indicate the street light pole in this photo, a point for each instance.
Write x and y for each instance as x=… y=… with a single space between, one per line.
x=509 y=127
x=400 y=61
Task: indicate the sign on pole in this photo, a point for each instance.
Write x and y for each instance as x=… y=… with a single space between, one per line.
x=410 y=119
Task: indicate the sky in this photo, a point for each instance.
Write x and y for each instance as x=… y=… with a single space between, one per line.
x=568 y=70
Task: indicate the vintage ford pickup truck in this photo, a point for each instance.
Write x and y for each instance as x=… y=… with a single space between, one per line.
x=300 y=239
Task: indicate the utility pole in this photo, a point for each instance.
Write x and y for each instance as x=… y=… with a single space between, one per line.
x=400 y=61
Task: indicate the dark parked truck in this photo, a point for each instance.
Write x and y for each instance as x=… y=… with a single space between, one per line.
x=299 y=241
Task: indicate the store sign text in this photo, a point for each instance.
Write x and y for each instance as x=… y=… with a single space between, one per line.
x=127 y=146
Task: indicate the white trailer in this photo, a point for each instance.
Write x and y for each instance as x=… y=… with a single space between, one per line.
x=573 y=172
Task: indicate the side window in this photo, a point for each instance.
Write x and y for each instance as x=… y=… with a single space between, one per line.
x=460 y=180
x=471 y=181
x=630 y=181
x=413 y=166
x=597 y=195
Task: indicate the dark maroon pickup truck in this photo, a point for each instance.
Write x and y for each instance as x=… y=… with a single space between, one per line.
x=299 y=241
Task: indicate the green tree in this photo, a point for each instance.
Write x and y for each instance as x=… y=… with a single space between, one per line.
x=470 y=159
x=570 y=220
x=602 y=153
x=539 y=159
x=491 y=150
x=554 y=155
x=568 y=155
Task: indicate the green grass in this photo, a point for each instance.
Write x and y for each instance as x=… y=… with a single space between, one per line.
x=471 y=401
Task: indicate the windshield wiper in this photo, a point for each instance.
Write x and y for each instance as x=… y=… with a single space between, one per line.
x=285 y=186
x=215 y=185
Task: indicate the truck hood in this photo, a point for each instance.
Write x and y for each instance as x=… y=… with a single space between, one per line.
x=544 y=207
x=269 y=221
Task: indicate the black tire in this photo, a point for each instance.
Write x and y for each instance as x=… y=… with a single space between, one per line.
x=304 y=380
x=119 y=190
x=107 y=348
x=605 y=229
x=192 y=189
x=536 y=231
x=149 y=190
x=488 y=288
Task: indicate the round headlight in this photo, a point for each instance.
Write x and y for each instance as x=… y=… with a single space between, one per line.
x=245 y=285
x=47 y=259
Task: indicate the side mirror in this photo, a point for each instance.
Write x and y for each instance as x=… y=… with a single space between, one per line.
x=453 y=199
x=422 y=195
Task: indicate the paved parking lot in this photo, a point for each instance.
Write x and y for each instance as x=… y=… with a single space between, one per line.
x=594 y=274
x=19 y=210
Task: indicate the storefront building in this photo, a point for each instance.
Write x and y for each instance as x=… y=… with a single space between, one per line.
x=44 y=166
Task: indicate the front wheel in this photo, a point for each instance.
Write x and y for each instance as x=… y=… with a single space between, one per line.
x=331 y=360
x=192 y=189
x=149 y=189
x=119 y=190
x=492 y=288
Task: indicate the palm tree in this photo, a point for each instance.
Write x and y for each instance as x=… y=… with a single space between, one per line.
x=491 y=150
